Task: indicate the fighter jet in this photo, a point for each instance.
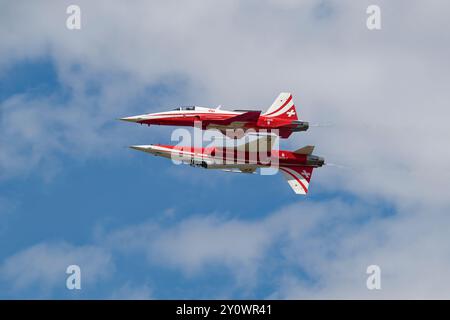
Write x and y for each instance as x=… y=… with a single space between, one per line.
x=296 y=166
x=281 y=116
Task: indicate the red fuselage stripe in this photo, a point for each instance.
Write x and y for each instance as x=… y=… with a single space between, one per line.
x=168 y=115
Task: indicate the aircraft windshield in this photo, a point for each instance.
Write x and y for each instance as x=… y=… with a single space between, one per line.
x=185 y=108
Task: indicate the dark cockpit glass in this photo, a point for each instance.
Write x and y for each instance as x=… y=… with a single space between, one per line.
x=185 y=108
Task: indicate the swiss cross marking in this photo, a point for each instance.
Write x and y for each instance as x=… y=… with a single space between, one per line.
x=305 y=174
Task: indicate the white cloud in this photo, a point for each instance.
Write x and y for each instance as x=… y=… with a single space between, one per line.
x=131 y=292
x=412 y=252
x=330 y=243
x=199 y=242
x=196 y=242
x=305 y=250
x=43 y=266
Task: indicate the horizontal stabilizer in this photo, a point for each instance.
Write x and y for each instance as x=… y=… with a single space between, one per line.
x=305 y=150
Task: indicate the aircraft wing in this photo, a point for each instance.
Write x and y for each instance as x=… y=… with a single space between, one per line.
x=249 y=116
x=298 y=177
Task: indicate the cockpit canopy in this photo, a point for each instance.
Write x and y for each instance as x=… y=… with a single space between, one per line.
x=185 y=108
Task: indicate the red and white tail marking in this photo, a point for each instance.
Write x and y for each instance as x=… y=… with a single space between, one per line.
x=298 y=177
x=283 y=107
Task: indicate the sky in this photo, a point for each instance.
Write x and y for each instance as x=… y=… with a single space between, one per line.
x=139 y=227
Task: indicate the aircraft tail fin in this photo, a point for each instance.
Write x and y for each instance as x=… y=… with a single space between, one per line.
x=262 y=143
x=298 y=178
x=283 y=107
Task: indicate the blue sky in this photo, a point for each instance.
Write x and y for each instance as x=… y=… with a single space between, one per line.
x=71 y=192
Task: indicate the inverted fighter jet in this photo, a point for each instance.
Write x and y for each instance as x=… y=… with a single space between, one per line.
x=296 y=166
x=281 y=116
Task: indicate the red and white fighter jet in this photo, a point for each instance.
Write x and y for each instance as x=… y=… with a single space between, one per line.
x=281 y=116
x=296 y=166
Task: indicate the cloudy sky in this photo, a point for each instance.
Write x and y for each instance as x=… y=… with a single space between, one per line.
x=140 y=227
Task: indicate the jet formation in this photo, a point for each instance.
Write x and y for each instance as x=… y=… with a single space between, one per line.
x=280 y=120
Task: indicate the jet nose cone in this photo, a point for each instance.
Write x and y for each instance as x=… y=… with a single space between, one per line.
x=132 y=119
x=141 y=148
